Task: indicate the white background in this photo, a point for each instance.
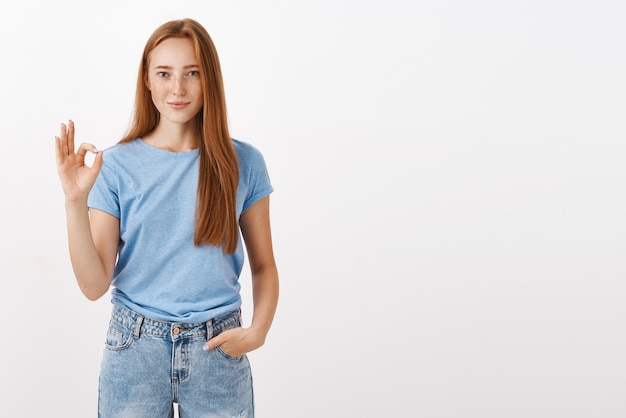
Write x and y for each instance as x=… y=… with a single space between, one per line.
x=449 y=208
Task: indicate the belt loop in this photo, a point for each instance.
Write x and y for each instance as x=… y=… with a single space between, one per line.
x=239 y=317
x=136 y=330
x=209 y=329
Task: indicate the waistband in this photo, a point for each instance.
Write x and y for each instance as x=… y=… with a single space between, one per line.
x=139 y=324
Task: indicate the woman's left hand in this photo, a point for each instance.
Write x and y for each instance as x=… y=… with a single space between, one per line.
x=235 y=341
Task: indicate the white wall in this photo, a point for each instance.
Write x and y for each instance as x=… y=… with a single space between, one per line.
x=448 y=215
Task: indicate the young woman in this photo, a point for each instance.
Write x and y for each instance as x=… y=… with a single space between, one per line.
x=157 y=218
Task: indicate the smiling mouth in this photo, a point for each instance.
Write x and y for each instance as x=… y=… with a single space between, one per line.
x=177 y=105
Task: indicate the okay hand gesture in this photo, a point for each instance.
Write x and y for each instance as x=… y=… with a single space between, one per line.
x=77 y=178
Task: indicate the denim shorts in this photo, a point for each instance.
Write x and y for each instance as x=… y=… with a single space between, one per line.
x=148 y=366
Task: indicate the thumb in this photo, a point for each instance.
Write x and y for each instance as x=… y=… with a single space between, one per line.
x=98 y=160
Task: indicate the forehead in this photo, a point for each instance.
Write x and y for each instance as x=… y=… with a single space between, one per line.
x=173 y=52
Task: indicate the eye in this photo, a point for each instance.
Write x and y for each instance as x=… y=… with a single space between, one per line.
x=162 y=74
x=193 y=73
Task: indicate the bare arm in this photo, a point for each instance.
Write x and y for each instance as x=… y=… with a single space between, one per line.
x=92 y=237
x=256 y=231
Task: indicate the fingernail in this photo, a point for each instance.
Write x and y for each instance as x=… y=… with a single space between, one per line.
x=205 y=348
x=95 y=150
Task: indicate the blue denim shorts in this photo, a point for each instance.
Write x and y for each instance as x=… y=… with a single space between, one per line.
x=148 y=366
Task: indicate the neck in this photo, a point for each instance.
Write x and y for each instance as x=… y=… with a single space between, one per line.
x=174 y=137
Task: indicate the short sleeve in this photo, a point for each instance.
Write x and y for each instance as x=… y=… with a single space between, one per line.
x=105 y=193
x=258 y=179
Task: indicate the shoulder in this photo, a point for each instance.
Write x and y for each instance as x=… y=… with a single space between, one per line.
x=245 y=149
x=120 y=152
x=247 y=154
x=120 y=149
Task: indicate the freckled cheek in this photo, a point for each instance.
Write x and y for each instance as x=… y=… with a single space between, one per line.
x=196 y=88
x=158 y=92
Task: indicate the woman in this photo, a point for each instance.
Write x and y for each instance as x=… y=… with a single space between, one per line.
x=157 y=218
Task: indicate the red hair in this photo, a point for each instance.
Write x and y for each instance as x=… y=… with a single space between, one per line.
x=216 y=216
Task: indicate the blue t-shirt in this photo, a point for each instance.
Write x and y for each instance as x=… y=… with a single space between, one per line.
x=160 y=273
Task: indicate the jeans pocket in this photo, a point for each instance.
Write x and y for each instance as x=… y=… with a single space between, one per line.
x=118 y=336
x=228 y=356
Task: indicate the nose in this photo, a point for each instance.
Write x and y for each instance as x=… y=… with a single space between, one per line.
x=179 y=87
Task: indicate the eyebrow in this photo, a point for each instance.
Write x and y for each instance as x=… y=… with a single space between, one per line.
x=167 y=67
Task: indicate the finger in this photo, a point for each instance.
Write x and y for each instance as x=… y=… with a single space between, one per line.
x=213 y=343
x=58 y=151
x=86 y=147
x=70 y=135
x=63 y=138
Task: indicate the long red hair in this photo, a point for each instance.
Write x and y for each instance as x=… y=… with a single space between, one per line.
x=218 y=178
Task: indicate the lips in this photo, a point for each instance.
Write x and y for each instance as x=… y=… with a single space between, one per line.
x=178 y=105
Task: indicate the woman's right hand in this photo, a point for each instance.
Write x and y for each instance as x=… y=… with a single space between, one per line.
x=77 y=178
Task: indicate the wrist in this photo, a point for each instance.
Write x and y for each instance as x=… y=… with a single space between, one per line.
x=75 y=203
x=258 y=334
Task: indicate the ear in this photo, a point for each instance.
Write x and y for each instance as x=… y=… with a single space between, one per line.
x=146 y=80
